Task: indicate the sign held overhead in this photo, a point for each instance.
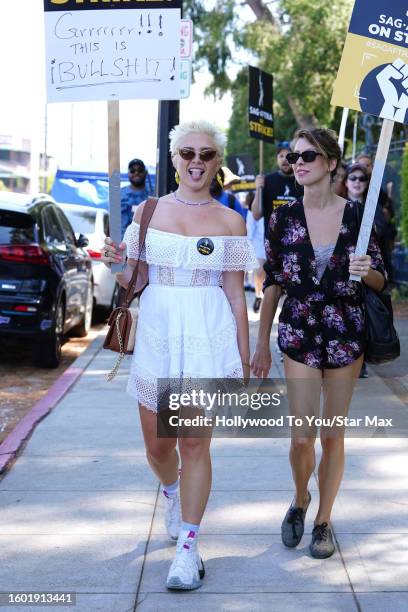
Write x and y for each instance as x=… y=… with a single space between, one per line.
x=260 y=108
x=96 y=52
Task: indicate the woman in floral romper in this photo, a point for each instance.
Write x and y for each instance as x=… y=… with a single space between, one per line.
x=310 y=255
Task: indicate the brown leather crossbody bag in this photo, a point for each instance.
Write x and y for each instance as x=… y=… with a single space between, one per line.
x=122 y=322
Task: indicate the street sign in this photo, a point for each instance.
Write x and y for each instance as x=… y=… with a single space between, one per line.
x=112 y=50
x=185 y=78
x=260 y=105
x=373 y=73
x=186 y=38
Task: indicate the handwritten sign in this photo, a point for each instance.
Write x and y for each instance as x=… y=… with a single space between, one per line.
x=96 y=52
x=186 y=38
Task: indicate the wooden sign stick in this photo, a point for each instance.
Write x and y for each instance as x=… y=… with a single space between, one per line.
x=374 y=190
x=261 y=171
x=115 y=230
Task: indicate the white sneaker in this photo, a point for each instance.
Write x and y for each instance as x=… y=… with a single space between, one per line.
x=187 y=570
x=172 y=515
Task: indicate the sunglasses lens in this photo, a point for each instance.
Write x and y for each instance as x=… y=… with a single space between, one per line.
x=207 y=155
x=187 y=154
x=292 y=158
x=309 y=156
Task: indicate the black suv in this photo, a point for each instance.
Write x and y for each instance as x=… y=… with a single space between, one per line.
x=45 y=276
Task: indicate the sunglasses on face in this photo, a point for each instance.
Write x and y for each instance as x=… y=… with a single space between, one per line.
x=361 y=179
x=307 y=156
x=205 y=155
x=136 y=171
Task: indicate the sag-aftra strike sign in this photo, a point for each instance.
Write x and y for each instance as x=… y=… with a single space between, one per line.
x=373 y=73
x=260 y=113
x=112 y=49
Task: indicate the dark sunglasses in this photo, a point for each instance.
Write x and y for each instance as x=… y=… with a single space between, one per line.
x=307 y=156
x=205 y=155
x=361 y=179
x=136 y=171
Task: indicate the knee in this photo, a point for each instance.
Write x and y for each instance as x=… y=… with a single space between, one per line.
x=193 y=448
x=332 y=443
x=159 y=451
x=301 y=445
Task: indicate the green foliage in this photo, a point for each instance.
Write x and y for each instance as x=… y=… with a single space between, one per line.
x=300 y=44
x=404 y=196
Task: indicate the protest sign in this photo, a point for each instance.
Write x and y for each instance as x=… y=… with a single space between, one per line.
x=112 y=50
x=373 y=73
x=373 y=78
x=243 y=166
x=260 y=104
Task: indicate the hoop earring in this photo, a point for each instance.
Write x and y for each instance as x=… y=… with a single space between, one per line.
x=219 y=180
x=177 y=177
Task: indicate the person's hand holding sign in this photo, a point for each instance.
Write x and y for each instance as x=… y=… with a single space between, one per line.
x=395 y=107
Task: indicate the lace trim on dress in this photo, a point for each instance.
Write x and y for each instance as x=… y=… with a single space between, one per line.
x=231 y=253
x=142 y=385
x=188 y=344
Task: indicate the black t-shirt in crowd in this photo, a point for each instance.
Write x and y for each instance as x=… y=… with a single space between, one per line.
x=279 y=189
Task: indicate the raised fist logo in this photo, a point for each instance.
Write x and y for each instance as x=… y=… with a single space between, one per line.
x=395 y=102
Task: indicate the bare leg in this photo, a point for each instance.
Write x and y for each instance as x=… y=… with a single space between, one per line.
x=304 y=388
x=338 y=386
x=161 y=452
x=195 y=480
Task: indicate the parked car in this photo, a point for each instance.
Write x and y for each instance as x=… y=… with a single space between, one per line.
x=94 y=224
x=45 y=276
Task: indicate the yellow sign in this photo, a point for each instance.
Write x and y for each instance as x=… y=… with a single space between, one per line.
x=373 y=72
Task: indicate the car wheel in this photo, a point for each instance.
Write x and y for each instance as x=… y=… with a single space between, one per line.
x=82 y=330
x=47 y=350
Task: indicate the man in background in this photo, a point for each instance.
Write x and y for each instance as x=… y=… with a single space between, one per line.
x=136 y=192
x=277 y=187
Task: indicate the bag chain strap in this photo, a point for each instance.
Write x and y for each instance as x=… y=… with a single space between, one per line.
x=116 y=367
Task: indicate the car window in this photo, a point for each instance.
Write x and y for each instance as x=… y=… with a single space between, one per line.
x=16 y=227
x=52 y=230
x=67 y=229
x=82 y=221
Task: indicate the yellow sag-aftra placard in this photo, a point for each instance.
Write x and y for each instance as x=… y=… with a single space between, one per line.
x=373 y=72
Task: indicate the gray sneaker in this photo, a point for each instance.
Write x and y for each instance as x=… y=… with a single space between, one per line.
x=322 y=545
x=293 y=525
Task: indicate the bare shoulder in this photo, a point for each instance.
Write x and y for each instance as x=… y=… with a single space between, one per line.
x=139 y=211
x=234 y=221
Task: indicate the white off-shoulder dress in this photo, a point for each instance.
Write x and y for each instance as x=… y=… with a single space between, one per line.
x=186 y=329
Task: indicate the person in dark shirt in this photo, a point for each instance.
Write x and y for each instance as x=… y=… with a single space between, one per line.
x=136 y=192
x=277 y=187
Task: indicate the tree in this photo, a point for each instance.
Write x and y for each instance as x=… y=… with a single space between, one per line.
x=300 y=43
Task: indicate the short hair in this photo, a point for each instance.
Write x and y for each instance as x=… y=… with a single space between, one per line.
x=199 y=126
x=325 y=141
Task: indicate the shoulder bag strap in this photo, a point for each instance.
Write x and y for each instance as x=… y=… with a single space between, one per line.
x=147 y=214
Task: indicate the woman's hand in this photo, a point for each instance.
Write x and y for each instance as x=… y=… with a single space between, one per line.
x=261 y=361
x=111 y=253
x=246 y=369
x=359 y=266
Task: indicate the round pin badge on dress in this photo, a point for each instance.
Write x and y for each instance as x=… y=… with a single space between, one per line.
x=205 y=246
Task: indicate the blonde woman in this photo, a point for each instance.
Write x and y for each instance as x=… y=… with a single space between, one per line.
x=192 y=323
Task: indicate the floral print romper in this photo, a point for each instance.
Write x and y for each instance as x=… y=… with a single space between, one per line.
x=322 y=322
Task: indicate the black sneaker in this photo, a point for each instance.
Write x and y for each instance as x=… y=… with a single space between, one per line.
x=293 y=525
x=363 y=371
x=257 y=304
x=322 y=545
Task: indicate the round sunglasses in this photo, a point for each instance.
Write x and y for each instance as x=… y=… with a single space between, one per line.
x=205 y=155
x=361 y=179
x=307 y=156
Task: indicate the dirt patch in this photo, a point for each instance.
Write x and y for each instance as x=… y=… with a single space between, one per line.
x=23 y=384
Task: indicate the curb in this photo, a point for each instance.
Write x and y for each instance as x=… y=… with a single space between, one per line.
x=13 y=443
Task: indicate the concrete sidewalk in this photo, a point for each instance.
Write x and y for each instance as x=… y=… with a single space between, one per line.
x=80 y=511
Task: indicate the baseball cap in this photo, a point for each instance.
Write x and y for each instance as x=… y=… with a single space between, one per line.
x=136 y=162
x=281 y=145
